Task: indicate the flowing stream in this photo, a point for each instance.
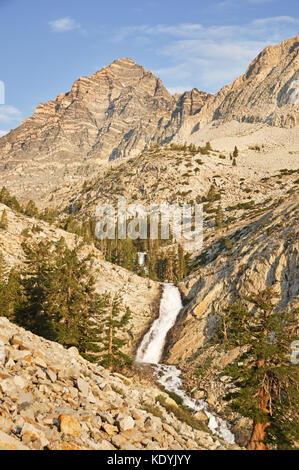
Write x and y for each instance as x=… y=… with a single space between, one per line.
x=150 y=352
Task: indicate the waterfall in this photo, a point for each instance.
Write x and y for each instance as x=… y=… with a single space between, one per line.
x=150 y=352
x=141 y=258
x=152 y=346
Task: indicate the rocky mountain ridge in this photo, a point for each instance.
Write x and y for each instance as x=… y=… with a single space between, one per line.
x=115 y=113
x=267 y=92
x=122 y=109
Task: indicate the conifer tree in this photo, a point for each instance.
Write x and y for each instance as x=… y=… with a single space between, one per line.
x=235 y=152
x=10 y=295
x=267 y=380
x=114 y=319
x=68 y=295
x=31 y=209
x=9 y=200
x=181 y=263
x=2 y=284
x=211 y=193
x=34 y=284
x=219 y=217
x=3 y=220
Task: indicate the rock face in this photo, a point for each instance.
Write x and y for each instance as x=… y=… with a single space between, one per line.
x=261 y=253
x=57 y=415
x=115 y=113
x=162 y=174
x=122 y=109
x=267 y=93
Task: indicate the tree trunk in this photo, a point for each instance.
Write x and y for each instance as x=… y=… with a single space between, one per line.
x=257 y=437
x=110 y=346
x=259 y=429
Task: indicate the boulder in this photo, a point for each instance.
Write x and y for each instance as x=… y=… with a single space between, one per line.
x=69 y=425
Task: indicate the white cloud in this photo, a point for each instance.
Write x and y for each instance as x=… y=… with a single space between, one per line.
x=9 y=113
x=260 y=2
x=209 y=57
x=2 y=133
x=63 y=25
x=275 y=20
x=237 y=3
x=178 y=89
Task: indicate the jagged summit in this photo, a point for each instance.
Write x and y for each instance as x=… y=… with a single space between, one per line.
x=123 y=108
x=264 y=94
x=117 y=112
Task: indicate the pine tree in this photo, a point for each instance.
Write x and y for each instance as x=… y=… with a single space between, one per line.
x=3 y=220
x=114 y=320
x=235 y=152
x=219 y=217
x=212 y=193
x=9 y=200
x=67 y=295
x=2 y=284
x=91 y=328
x=169 y=267
x=31 y=209
x=181 y=271
x=34 y=284
x=234 y=162
x=10 y=296
x=267 y=380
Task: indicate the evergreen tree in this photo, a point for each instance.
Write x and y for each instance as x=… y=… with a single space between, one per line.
x=10 y=295
x=212 y=193
x=91 y=327
x=34 y=283
x=219 y=217
x=181 y=271
x=69 y=295
x=235 y=152
x=234 y=162
x=169 y=267
x=31 y=209
x=3 y=220
x=9 y=200
x=266 y=378
x=114 y=319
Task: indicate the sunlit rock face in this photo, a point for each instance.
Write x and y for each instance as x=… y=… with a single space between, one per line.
x=115 y=113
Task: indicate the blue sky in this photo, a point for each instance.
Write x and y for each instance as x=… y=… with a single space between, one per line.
x=47 y=45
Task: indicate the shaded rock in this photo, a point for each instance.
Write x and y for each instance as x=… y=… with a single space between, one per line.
x=110 y=429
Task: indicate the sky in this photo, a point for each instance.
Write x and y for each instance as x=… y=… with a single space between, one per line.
x=46 y=45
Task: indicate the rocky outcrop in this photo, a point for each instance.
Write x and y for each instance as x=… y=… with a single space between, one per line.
x=52 y=399
x=258 y=254
x=117 y=112
x=122 y=109
x=267 y=93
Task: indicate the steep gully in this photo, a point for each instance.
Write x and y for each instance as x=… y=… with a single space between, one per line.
x=150 y=352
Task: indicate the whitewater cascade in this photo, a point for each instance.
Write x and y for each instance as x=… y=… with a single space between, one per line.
x=152 y=346
x=150 y=352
